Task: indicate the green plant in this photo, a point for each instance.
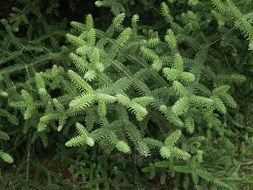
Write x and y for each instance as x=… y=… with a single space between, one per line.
x=173 y=89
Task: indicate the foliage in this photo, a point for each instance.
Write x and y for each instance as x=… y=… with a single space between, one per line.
x=164 y=91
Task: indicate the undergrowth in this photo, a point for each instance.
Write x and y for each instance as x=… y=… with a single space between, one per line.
x=126 y=94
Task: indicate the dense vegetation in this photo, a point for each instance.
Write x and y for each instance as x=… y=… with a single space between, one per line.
x=126 y=94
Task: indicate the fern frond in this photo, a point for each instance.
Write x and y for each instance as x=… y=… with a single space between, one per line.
x=40 y=84
x=89 y=23
x=165 y=152
x=76 y=141
x=219 y=105
x=117 y=21
x=79 y=82
x=6 y=157
x=166 y=12
x=178 y=61
x=189 y=124
x=229 y=100
x=171 y=40
x=123 y=147
x=82 y=101
x=181 y=106
x=149 y=54
x=179 y=154
x=173 y=138
x=75 y=40
x=144 y=100
x=179 y=89
x=219 y=5
x=124 y=36
x=138 y=110
x=172 y=74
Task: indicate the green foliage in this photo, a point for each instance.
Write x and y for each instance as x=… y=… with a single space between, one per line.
x=165 y=87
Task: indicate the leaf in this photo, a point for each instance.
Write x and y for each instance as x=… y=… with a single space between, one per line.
x=7 y=158
x=251 y=46
x=173 y=138
x=4 y=136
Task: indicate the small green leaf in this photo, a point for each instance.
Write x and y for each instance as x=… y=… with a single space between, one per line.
x=7 y=158
x=251 y=46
